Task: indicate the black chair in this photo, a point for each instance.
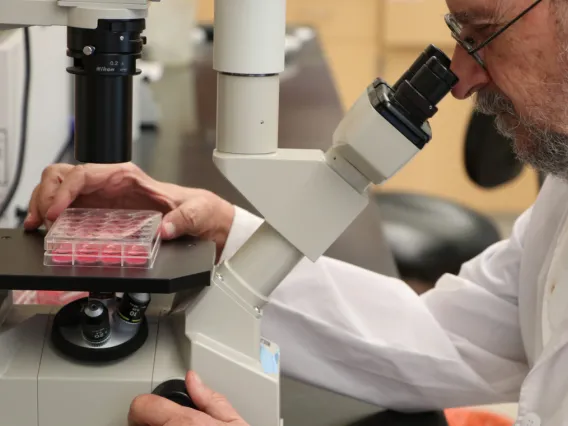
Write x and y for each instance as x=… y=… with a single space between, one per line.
x=430 y=236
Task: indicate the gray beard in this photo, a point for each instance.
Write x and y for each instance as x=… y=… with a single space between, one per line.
x=543 y=149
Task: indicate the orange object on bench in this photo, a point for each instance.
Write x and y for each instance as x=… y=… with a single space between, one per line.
x=468 y=417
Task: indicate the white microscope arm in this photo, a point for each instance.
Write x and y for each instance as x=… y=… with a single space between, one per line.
x=71 y=13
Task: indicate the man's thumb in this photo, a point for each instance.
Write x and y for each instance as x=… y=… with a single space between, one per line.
x=208 y=401
x=178 y=222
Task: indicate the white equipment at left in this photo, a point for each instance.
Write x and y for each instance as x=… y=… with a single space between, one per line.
x=35 y=112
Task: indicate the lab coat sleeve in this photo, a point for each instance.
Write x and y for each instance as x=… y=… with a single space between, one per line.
x=244 y=225
x=371 y=337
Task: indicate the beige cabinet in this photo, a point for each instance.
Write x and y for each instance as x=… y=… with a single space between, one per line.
x=411 y=23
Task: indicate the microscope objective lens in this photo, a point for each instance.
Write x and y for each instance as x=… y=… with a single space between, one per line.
x=95 y=324
x=133 y=307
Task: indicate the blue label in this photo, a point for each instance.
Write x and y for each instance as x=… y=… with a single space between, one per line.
x=268 y=360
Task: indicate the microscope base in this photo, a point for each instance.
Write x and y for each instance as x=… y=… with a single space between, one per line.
x=41 y=387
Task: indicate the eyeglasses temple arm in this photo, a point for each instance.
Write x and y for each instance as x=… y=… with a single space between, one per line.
x=490 y=39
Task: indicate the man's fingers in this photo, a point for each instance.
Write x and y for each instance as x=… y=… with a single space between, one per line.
x=33 y=219
x=152 y=410
x=47 y=191
x=181 y=221
x=86 y=179
x=67 y=192
x=43 y=194
x=208 y=401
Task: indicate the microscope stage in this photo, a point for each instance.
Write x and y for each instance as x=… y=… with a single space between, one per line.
x=180 y=265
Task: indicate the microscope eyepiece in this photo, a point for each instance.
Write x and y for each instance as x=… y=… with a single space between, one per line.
x=433 y=81
x=104 y=63
x=425 y=84
x=430 y=52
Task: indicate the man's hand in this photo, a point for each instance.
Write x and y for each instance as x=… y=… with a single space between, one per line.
x=187 y=211
x=152 y=410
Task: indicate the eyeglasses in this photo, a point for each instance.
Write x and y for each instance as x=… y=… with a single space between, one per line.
x=469 y=45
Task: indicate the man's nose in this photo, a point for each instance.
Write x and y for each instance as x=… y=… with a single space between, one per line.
x=472 y=77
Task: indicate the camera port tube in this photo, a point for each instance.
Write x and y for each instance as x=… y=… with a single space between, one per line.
x=103 y=118
x=104 y=65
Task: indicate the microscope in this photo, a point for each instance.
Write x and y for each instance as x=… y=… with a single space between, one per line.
x=140 y=330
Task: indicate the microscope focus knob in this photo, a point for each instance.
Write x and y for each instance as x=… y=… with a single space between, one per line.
x=175 y=391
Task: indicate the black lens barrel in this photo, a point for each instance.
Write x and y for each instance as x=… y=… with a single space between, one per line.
x=425 y=84
x=433 y=81
x=104 y=63
x=429 y=52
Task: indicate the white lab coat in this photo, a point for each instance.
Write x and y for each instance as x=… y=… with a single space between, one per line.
x=498 y=332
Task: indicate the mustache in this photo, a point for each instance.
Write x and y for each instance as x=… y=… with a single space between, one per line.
x=493 y=103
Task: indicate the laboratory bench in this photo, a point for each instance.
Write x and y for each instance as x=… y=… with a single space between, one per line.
x=180 y=151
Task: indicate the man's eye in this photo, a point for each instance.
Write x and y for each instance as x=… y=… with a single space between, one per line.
x=485 y=30
x=469 y=40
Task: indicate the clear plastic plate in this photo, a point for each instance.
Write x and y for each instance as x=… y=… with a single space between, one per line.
x=104 y=238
